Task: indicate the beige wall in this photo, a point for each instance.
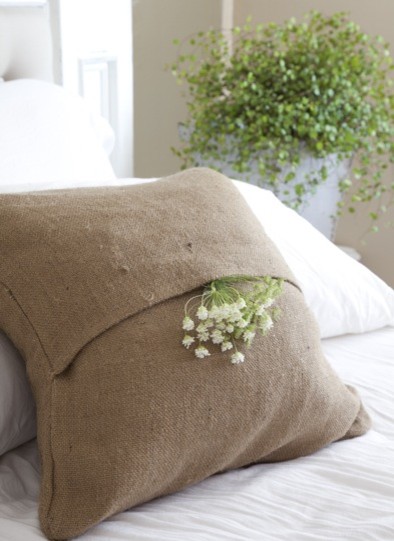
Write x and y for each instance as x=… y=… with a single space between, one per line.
x=158 y=105
x=375 y=17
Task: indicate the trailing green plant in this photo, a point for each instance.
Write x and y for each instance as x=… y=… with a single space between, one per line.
x=273 y=92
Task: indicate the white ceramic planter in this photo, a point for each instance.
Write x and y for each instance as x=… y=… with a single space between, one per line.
x=320 y=207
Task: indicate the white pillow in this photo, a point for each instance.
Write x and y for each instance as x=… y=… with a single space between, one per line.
x=50 y=135
x=17 y=410
x=343 y=294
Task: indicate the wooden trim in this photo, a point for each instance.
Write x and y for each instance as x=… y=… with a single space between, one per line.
x=228 y=20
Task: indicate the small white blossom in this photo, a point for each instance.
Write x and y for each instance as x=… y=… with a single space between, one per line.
x=201 y=352
x=226 y=346
x=248 y=335
x=230 y=328
x=219 y=313
x=187 y=341
x=203 y=336
x=217 y=337
x=202 y=327
x=202 y=313
x=235 y=315
x=188 y=324
x=260 y=310
x=215 y=313
x=237 y=358
x=226 y=310
x=240 y=303
x=221 y=326
x=242 y=323
x=267 y=323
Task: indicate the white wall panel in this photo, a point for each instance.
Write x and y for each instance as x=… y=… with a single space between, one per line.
x=95 y=59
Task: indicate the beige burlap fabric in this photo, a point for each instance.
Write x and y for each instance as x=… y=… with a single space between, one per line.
x=93 y=285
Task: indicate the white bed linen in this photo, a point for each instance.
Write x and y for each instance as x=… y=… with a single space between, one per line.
x=344 y=492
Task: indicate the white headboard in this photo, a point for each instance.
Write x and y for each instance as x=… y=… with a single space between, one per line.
x=45 y=39
x=25 y=40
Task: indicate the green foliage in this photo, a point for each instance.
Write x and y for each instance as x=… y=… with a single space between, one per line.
x=319 y=85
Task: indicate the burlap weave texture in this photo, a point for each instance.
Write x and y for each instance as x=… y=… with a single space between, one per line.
x=93 y=285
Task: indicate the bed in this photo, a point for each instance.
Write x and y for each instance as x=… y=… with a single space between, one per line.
x=344 y=491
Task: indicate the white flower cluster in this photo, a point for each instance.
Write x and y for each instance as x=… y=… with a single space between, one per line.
x=226 y=315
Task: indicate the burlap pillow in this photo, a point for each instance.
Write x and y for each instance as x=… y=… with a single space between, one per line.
x=93 y=286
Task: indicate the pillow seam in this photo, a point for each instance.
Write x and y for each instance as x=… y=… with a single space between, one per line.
x=19 y=305
x=56 y=372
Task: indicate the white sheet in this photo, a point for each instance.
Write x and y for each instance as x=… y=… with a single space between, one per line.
x=344 y=492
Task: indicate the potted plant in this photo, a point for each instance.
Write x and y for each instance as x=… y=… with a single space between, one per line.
x=290 y=107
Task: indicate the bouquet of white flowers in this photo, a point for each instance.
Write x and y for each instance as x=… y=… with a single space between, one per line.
x=229 y=311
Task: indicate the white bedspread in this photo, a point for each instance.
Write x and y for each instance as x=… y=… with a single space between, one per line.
x=344 y=492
